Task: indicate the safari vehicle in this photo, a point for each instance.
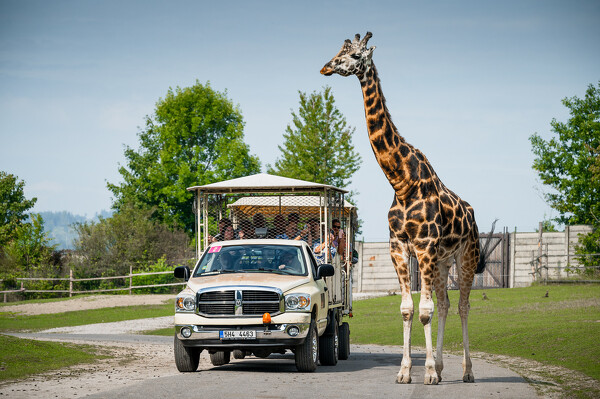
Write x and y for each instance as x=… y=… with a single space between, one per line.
x=258 y=286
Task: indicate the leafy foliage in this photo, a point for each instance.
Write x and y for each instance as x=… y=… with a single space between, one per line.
x=13 y=206
x=25 y=249
x=569 y=162
x=195 y=137
x=589 y=253
x=130 y=238
x=29 y=248
x=318 y=144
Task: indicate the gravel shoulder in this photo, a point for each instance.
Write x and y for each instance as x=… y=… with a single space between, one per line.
x=87 y=302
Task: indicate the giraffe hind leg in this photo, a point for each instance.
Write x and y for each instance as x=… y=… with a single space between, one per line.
x=466 y=266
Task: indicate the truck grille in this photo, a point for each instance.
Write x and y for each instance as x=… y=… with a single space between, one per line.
x=239 y=302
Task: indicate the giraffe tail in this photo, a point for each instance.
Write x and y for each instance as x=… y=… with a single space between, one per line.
x=486 y=251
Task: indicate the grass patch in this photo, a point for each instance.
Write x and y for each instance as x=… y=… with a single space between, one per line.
x=561 y=329
x=20 y=358
x=17 y=322
x=164 y=332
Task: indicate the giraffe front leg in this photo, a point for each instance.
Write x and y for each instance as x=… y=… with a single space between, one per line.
x=441 y=292
x=426 y=315
x=427 y=260
x=407 y=311
x=400 y=258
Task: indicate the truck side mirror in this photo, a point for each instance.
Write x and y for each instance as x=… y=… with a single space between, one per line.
x=182 y=272
x=325 y=270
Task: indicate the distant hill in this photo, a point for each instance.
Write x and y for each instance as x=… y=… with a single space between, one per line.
x=59 y=225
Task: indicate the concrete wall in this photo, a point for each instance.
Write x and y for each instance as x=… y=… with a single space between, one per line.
x=374 y=271
x=556 y=250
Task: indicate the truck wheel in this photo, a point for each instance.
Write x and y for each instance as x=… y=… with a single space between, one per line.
x=329 y=347
x=344 y=341
x=307 y=354
x=220 y=358
x=186 y=358
x=238 y=354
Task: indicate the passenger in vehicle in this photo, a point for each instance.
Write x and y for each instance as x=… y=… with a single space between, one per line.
x=320 y=250
x=278 y=228
x=339 y=237
x=226 y=231
x=246 y=231
x=290 y=263
x=224 y=262
x=291 y=231
x=260 y=225
x=310 y=234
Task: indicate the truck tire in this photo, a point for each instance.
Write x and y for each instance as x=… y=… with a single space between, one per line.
x=220 y=358
x=344 y=341
x=329 y=346
x=239 y=354
x=186 y=358
x=307 y=354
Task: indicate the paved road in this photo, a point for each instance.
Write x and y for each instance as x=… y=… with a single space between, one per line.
x=369 y=372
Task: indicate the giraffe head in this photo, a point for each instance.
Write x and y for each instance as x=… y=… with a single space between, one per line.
x=353 y=59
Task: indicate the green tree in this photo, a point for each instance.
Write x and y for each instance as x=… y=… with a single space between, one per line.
x=130 y=238
x=318 y=144
x=568 y=162
x=29 y=250
x=195 y=137
x=13 y=206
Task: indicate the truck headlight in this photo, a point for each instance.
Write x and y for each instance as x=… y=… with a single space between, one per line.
x=299 y=302
x=185 y=303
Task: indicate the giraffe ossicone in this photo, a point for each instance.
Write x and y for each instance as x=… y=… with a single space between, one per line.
x=427 y=220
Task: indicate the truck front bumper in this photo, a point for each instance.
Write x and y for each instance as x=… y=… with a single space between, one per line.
x=273 y=335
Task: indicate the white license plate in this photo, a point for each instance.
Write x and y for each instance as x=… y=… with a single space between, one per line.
x=237 y=334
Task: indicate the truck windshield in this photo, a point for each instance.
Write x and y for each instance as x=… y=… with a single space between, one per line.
x=278 y=259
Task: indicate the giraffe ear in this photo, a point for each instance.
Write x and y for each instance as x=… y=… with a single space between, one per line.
x=370 y=51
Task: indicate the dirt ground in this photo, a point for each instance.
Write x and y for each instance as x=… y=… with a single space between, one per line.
x=87 y=302
x=130 y=363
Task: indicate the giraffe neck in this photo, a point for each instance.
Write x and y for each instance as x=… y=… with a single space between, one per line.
x=398 y=159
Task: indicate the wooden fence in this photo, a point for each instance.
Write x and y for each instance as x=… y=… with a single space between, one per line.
x=72 y=280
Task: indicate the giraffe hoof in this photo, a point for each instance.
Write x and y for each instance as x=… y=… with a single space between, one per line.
x=469 y=377
x=431 y=379
x=403 y=379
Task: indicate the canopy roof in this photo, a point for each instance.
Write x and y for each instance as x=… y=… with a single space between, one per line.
x=273 y=205
x=261 y=183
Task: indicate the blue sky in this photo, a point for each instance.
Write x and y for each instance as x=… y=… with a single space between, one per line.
x=466 y=82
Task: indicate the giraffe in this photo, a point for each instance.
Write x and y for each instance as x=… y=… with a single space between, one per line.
x=426 y=220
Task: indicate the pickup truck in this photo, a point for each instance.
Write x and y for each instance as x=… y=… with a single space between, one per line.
x=274 y=273
x=258 y=297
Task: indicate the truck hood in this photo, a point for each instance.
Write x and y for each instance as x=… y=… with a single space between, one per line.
x=284 y=282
